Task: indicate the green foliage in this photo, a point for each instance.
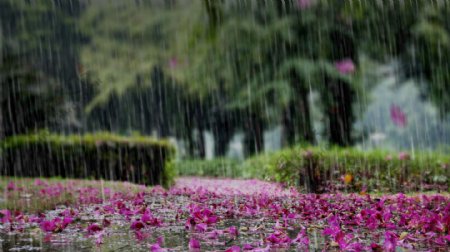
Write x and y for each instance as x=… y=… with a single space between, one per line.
x=125 y=47
x=417 y=33
x=220 y=167
x=38 y=65
x=28 y=100
x=374 y=170
x=137 y=159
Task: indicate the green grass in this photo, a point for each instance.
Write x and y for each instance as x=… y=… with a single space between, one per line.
x=28 y=198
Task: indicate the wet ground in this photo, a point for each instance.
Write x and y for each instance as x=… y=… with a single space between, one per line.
x=231 y=215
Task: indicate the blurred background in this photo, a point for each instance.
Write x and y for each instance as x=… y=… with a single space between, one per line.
x=230 y=77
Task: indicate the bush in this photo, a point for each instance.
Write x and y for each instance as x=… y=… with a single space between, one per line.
x=220 y=167
x=136 y=159
x=323 y=170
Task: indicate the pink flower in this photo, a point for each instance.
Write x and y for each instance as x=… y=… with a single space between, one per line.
x=157 y=248
x=67 y=221
x=375 y=247
x=48 y=226
x=302 y=238
x=5 y=216
x=403 y=156
x=304 y=4
x=214 y=234
x=137 y=225
x=200 y=215
x=160 y=240
x=140 y=236
x=11 y=186
x=99 y=237
x=148 y=219
x=55 y=225
x=390 y=241
x=39 y=182
x=447 y=237
x=194 y=244
x=278 y=237
x=233 y=249
x=345 y=66
x=247 y=247
x=398 y=117
x=201 y=227
x=94 y=228
x=106 y=222
x=173 y=62
x=233 y=231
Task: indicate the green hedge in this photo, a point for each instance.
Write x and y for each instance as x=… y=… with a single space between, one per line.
x=320 y=169
x=136 y=159
x=220 y=167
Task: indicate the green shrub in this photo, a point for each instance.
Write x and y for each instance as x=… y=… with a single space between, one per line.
x=220 y=167
x=136 y=159
x=373 y=170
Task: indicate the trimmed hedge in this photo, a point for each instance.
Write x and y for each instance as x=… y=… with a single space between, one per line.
x=220 y=167
x=136 y=159
x=320 y=169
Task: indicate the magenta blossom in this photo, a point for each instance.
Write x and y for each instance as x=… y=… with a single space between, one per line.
x=94 y=228
x=403 y=156
x=214 y=234
x=137 y=225
x=39 y=182
x=304 y=4
x=11 y=186
x=398 y=117
x=55 y=225
x=233 y=249
x=345 y=66
x=200 y=215
x=150 y=220
x=302 y=238
x=390 y=241
x=278 y=238
x=247 y=247
x=140 y=236
x=173 y=63
x=194 y=244
x=5 y=216
x=201 y=227
x=157 y=248
x=233 y=231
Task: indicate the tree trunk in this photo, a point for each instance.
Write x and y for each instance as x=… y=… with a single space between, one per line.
x=340 y=113
x=2 y=130
x=221 y=140
x=288 y=133
x=304 y=123
x=340 y=94
x=254 y=135
x=190 y=141
x=222 y=132
x=201 y=141
x=296 y=116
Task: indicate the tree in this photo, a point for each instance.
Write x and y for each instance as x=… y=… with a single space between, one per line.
x=417 y=36
x=29 y=100
x=32 y=76
x=129 y=61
